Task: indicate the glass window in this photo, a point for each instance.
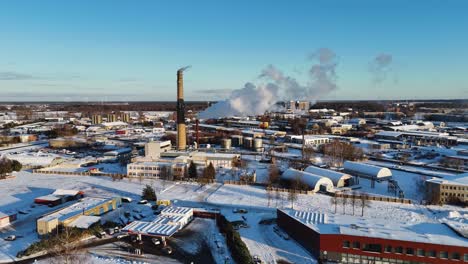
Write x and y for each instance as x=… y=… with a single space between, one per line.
x=465 y=257
x=432 y=253
x=409 y=251
x=421 y=252
x=443 y=254
x=399 y=250
x=456 y=256
x=388 y=249
x=346 y=244
x=372 y=247
x=356 y=245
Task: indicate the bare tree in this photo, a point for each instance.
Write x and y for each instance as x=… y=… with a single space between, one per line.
x=353 y=200
x=273 y=175
x=269 y=194
x=65 y=249
x=308 y=153
x=334 y=201
x=364 y=202
x=292 y=197
x=344 y=202
x=278 y=196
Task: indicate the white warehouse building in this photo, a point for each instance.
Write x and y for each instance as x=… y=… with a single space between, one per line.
x=315 y=182
x=367 y=170
x=339 y=179
x=312 y=140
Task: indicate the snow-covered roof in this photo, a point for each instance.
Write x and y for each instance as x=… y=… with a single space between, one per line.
x=62 y=192
x=313 y=180
x=85 y=204
x=460 y=179
x=367 y=169
x=84 y=221
x=150 y=228
x=334 y=176
x=431 y=233
x=174 y=210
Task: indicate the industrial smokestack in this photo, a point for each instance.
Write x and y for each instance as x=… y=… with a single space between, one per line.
x=181 y=133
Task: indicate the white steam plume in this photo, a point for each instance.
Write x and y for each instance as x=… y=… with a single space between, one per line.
x=380 y=67
x=256 y=99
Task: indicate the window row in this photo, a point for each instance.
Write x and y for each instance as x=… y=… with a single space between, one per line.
x=377 y=248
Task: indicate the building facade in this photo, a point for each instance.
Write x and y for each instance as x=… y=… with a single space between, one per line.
x=440 y=191
x=349 y=243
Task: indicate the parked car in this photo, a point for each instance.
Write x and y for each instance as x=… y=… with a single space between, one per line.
x=167 y=250
x=256 y=259
x=110 y=231
x=100 y=234
x=126 y=199
x=143 y=202
x=156 y=241
x=10 y=238
x=122 y=236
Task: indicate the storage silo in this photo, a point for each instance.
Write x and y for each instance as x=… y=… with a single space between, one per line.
x=237 y=140
x=226 y=143
x=248 y=142
x=258 y=144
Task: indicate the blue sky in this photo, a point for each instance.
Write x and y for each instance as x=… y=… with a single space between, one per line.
x=130 y=50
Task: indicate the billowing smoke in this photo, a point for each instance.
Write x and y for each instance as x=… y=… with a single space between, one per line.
x=275 y=86
x=380 y=67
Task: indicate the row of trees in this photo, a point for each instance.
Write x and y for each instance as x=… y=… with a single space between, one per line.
x=338 y=152
x=356 y=201
x=209 y=173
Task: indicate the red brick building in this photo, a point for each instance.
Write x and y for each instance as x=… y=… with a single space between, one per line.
x=350 y=239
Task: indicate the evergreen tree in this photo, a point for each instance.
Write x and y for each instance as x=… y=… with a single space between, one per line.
x=149 y=193
x=210 y=172
x=192 y=170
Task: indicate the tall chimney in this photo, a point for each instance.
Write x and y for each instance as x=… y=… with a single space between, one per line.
x=181 y=133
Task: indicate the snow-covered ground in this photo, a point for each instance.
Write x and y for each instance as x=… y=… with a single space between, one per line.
x=19 y=193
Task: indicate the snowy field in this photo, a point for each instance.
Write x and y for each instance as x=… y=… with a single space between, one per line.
x=19 y=193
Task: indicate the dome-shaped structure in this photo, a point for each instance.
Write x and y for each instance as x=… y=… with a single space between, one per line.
x=367 y=170
x=339 y=179
x=315 y=182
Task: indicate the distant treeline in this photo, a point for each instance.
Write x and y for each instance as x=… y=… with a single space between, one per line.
x=132 y=106
x=343 y=106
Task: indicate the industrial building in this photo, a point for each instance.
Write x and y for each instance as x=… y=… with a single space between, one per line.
x=367 y=171
x=449 y=190
x=339 y=179
x=111 y=118
x=59 y=196
x=156 y=169
x=125 y=117
x=153 y=149
x=219 y=160
x=315 y=182
x=310 y=140
x=96 y=119
x=350 y=239
x=171 y=220
x=418 y=137
x=88 y=206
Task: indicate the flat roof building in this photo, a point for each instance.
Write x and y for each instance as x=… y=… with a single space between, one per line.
x=88 y=206
x=350 y=239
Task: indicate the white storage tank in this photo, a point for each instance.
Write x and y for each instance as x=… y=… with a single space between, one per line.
x=258 y=144
x=226 y=143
